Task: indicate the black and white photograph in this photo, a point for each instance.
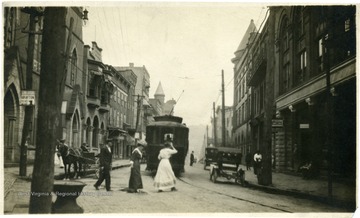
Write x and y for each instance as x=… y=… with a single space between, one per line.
x=179 y=108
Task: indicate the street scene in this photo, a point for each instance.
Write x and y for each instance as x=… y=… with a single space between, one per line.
x=196 y=194
x=180 y=108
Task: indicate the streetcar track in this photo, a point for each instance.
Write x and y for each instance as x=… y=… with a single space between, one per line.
x=237 y=198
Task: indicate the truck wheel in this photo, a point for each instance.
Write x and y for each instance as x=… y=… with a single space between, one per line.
x=215 y=176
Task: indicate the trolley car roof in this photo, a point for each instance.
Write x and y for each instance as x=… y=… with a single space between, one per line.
x=227 y=149
x=167 y=124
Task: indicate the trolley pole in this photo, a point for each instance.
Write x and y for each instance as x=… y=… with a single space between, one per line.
x=215 y=138
x=223 y=111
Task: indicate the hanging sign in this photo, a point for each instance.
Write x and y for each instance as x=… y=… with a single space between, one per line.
x=27 y=98
x=304 y=126
x=276 y=123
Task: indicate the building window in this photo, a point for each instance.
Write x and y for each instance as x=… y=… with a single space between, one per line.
x=302 y=67
x=285 y=73
x=299 y=20
x=73 y=69
x=239 y=93
x=347 y=25
x=262 y=92
x=243 y=88
x=286 y=76
x=303 y=60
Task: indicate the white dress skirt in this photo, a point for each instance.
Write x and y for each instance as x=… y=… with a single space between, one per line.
x=165 y=177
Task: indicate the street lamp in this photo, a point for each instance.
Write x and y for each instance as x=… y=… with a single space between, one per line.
x=85 y=17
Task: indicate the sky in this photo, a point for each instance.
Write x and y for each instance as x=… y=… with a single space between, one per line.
x=183 y=45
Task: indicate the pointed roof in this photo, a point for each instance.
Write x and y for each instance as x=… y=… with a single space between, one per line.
x=251 y=28
x=159 y=90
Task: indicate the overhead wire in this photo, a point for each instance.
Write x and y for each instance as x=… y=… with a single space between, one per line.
x=122 y=33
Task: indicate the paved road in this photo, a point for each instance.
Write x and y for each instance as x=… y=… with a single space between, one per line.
x=197 y=194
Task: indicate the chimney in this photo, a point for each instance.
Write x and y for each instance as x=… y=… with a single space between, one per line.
x=131 y=64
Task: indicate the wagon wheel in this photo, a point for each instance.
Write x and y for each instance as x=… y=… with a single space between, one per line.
x=85 y=168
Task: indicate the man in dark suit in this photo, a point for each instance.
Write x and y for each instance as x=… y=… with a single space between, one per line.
x=105 y=157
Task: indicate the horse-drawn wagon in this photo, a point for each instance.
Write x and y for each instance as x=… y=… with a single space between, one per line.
x=78 y=160
x=89 y=163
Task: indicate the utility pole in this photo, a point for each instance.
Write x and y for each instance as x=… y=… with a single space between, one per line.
x=223 y=111
x=54 y=64
x=207 y=135
x=29 y=109
x=215 y=138
x=138 y=110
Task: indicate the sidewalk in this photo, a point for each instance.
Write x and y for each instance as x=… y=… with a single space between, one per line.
x=17 y=189
x=344 y=192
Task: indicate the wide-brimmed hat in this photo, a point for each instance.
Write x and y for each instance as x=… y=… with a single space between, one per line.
x=62 y=140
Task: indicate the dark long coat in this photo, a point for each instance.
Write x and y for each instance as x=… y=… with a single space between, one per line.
x=135 y=181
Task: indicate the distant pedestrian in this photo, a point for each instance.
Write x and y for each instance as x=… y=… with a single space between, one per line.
x=296 y=158
x=248 y=159
x=135 y=181
x=105 y=157
x=165 y=177
x=192 y=158
x=238 y=160
x=257 y=162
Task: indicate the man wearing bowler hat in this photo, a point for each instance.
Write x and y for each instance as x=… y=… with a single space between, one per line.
x=105 y=157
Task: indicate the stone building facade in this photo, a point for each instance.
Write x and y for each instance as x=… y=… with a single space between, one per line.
x=303 y=64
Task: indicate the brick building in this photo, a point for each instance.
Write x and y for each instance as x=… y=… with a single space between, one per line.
x=302 y=64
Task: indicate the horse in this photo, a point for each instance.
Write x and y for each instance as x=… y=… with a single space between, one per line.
x=70 y=156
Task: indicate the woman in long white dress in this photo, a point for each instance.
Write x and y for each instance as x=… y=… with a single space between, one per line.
x=165 y=178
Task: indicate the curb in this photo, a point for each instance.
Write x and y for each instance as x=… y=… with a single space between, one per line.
x=323 y=199
x=10 y=187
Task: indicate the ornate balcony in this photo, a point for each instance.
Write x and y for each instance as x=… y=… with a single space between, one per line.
x=104 y=108
x=93 y=102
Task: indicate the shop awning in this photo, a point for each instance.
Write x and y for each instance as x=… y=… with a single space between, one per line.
x=115 y=132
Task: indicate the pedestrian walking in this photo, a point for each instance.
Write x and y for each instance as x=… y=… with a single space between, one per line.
x=248 y=159
x=257 y=162
x=238 y=161
x=135 y=181
x=105 y=157
x=192 y=157
x=165 y=177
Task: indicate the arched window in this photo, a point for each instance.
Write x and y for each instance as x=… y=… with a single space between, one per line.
x=285 y=71
x=73 y=68
x=301 y=56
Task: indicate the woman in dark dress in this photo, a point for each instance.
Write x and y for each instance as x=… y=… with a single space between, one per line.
x=135 y=182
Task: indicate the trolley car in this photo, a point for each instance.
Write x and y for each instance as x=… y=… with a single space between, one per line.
x=156 y=133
